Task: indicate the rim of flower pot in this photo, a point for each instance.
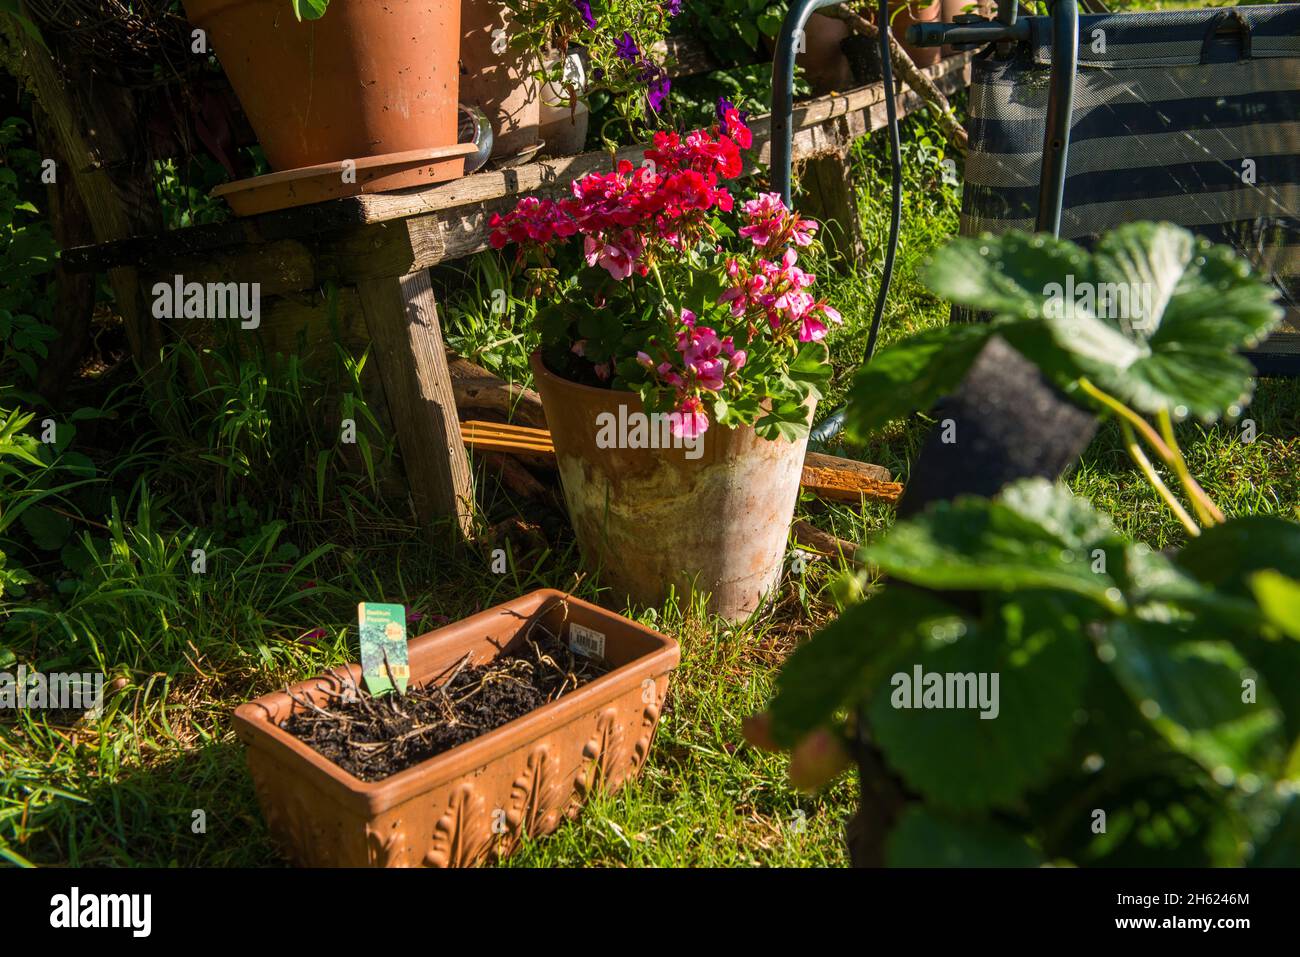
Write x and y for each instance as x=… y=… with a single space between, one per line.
x=540 y=368
x=375 y=797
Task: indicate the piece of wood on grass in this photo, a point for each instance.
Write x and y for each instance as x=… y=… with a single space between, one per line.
x=839 y=484
x=476 y=388
x=515 y=478
x=825 y=544
x=402 y=317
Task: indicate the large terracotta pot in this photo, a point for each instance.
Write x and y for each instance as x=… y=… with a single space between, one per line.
x=501 y=84
x=650 y=520
x=485 y=796
x=369 y=78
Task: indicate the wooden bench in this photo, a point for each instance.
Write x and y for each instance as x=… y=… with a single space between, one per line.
x=366 y=259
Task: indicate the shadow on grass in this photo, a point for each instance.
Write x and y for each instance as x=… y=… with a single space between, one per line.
x=196 y=809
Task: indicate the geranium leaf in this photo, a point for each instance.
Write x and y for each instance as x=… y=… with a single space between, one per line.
x=811 y=368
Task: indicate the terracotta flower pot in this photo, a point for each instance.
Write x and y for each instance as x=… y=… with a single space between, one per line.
x=501 y=84
x=367 y=79
x=652 y=519
x=480 y=798
x=823 y=61
x=903 y=13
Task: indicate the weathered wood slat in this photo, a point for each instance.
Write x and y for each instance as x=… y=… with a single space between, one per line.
x=402 y=317
x=476 y=388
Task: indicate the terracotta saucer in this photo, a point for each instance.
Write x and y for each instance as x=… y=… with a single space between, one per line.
x=373 y=174
x=522 y=158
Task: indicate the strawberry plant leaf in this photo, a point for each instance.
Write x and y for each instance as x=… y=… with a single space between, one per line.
x=1004 y=275
x=1225 y=556
x=1169 y=313
x=912 y=375
x=924 y=838
x=1279 y=599
x=1191 y=690
x=976 y=756
x=1035 y=535
x=848 y=657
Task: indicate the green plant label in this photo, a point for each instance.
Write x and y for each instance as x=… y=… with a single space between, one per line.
x=384 y=662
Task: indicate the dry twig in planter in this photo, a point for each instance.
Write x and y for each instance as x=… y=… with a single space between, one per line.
x=373 y=738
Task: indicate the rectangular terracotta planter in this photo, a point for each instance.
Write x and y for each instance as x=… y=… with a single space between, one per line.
x=482 y=797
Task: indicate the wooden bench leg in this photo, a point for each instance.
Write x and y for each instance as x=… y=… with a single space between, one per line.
x=402 y=317
x=829 y=197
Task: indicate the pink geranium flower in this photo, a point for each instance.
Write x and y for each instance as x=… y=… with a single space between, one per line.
x=647 y=231
x=617 y=260
x=688 y=420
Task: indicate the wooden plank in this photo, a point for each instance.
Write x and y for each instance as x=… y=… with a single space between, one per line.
x=820 y=460
x=449 y=220
x=848 y=485
x=826 y=544
x=402 y=317
x=279 y=267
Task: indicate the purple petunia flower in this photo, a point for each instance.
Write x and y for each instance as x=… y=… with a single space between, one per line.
x=657 y=93
x=584 y=8
x=674 y=7
x=626 y=48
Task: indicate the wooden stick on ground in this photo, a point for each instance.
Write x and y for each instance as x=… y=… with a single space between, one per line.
x=825 y=544
x=908 y=71
x=476 y=388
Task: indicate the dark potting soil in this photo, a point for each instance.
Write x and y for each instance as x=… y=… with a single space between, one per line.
x=373 y=738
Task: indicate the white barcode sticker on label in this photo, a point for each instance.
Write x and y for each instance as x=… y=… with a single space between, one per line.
x=586 y=641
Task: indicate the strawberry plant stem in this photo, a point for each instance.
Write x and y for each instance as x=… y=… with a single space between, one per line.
x=1153 y=478
x=1206 y=510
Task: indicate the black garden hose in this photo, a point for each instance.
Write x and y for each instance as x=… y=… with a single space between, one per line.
x=833 y=423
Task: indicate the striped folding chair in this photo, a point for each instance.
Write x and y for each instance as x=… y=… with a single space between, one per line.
x=1188 y=116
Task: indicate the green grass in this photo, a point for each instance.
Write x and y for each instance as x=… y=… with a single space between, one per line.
x=292 y=546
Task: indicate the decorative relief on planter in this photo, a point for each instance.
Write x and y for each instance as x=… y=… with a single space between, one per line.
x=463 y=835
x=536 y=796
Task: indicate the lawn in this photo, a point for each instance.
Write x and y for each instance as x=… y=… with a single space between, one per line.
x=232 y=466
